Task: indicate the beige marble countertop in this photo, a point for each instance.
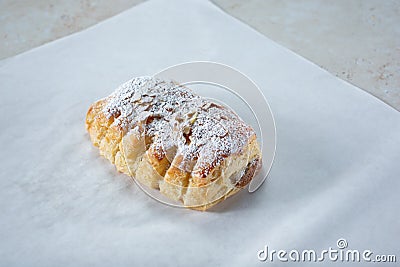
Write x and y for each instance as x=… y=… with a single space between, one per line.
x=356 y=40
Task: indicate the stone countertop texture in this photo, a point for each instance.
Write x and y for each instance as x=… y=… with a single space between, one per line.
x=357 y=40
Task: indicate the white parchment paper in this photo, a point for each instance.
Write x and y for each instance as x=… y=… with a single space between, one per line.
x=336 y=171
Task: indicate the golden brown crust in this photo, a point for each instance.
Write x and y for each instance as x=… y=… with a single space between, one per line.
x=193 y=170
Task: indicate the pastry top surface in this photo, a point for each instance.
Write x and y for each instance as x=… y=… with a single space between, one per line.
x=178 y=122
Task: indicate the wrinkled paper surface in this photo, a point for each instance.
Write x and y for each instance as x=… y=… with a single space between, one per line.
x=336 y=171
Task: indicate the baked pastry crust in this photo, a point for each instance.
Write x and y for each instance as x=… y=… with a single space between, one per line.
x=193 y=150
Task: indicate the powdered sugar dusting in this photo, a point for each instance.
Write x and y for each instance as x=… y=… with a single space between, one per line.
x=178 y=122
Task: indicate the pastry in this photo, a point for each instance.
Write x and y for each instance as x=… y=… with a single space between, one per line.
x=193 y=150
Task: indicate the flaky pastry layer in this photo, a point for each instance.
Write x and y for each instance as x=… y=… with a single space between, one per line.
x=193 y=150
